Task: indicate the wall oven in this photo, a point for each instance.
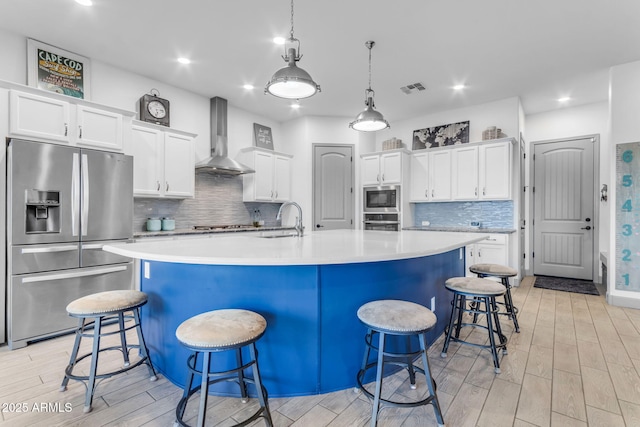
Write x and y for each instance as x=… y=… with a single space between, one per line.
x=381 y=221
x=382 y=199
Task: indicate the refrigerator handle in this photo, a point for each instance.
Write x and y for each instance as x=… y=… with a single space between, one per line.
x=74 y=274
x=49 y=249
x=85 y=195
x=75 y=194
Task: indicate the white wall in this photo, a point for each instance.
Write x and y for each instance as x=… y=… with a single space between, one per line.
x=625 y=127
x=502 y=114
x=566 y=123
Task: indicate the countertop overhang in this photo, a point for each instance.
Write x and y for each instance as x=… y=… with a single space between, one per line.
x=314 y=248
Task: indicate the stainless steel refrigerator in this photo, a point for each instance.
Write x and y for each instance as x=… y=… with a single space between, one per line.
x=63 y=204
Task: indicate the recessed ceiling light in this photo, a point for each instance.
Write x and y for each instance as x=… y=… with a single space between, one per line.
x=184 y=60
x=564 y=99
x=85 y=2
x=279 y=40
x=248 y=87
x=459 y=87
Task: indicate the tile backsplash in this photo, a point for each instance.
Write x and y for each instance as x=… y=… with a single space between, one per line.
x=491 y=214
x=218 y=201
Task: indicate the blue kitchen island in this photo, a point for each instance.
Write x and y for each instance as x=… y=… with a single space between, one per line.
x=308 y=288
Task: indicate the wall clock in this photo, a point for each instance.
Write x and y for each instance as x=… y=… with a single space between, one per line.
x=154 y=109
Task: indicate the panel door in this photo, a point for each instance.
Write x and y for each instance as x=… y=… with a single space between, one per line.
x=370 y=170
x=148 y=161
x=391 y=168
x=440 y=175
x=333 y=196
x=179 y=166
x=263 y=178
x=99 y=128
x=495 y=171
x=419 y=185
x=282 y=178
x=39 y=116
x=465 y=173
x=563 y=209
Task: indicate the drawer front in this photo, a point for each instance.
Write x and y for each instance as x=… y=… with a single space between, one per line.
x=38 y=258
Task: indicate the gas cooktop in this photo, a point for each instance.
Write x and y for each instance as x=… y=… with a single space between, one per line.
x=223 y=227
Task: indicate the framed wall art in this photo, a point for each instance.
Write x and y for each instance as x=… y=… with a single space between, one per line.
x=441 y=136
x=56 y=70
x=262 y=136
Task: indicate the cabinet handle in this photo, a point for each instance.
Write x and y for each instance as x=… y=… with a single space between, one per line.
x=479 y=254
x=475 y=191
x=484 y=192
x=432 y=193
x=276 y=194
x=167 y=188
x=66 y=129
x=426 y=193
x=378 y=177
x=158 y=185
x=80 y=132
x=272 y=194
x=382 y=177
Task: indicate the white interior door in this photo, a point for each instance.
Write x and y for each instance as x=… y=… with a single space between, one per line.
x=563 y=208
x=333 y=194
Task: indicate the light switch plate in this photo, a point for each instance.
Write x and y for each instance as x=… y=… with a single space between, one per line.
x=425 y=223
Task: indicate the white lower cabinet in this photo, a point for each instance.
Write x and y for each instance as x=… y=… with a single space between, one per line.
x=272 y=180
x=493 y=250
x=163 y=163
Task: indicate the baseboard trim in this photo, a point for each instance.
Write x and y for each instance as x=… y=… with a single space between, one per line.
x=622 y=301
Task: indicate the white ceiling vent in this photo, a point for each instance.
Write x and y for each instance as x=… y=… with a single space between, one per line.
x=413 y=88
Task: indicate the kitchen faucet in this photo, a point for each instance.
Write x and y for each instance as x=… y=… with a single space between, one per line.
x=299 y=228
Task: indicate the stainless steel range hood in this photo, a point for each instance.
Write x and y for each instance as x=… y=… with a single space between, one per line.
x=219 y=163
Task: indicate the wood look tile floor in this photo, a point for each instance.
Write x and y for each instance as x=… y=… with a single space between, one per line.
x=576 y=362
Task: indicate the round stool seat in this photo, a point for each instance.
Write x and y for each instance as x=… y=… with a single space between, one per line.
x=221 y=329
x=475 y=286
x=495 y=270
x=397 y=316
x=106 y=302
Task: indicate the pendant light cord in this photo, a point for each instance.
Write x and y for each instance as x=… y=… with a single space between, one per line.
x=370 y=46
x=292 y=38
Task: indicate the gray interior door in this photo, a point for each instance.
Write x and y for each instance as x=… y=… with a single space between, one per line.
x=563 y=208
x=333 y=194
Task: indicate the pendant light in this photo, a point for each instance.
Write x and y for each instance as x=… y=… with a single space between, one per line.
x=369 y=120
x=292 y=82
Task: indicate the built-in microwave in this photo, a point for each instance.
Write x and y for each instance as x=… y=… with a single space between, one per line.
x=382 y=199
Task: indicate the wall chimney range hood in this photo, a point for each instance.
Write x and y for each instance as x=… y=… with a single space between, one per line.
x=219 y=163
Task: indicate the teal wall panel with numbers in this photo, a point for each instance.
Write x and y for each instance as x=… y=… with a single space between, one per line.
x=627 y=231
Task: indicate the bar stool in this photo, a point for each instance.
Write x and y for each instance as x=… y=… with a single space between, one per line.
x=503 y=273
x=484 y=293
x=219 y=331
x=94 y=310
x=397 y=318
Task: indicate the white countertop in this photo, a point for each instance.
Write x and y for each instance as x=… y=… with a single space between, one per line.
x=321 y=247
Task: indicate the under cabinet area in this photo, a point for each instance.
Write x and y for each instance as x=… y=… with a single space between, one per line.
x=492 y=250
x=383 y=168
x=56 y=120
x=163 y=162
x=271 y=181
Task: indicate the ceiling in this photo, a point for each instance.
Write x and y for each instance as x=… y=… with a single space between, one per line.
x=537 y=50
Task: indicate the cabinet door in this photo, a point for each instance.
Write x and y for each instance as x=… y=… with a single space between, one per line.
x=39 y=116
x=495 y=171
x=440 y=175
x=419 y=185
x=179 y=166
x=371 y=170
x=263 y=178
x=148 y=161
x=391 y=168
x=282 y=178
x=465 y=173
x=99 y=128
x=491 y=254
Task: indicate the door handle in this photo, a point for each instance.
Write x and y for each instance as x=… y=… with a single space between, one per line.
x=588 y=227
x=64 y=248
x=319 y=226
x=73 y=275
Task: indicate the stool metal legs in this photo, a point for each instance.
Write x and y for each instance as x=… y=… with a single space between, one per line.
x=510 y=309
x=459 y=306
x=209 y=377
x=409 y=356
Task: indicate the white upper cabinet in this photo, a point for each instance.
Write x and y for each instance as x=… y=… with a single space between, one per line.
x=465 y=173
x=419 y=191
x=272 y=180
x=440 y=175
x=52 y=119
x=495 y=171
x=382 y=169
x=163 y=163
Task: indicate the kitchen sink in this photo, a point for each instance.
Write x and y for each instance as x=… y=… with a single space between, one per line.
x=278 y=233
